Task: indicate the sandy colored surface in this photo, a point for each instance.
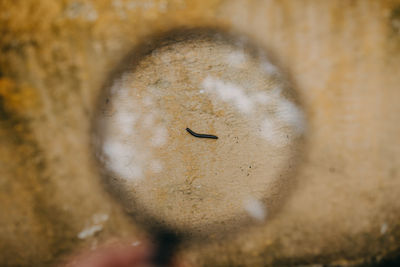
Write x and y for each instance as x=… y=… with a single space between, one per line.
x=342 y=58
x=210 y=83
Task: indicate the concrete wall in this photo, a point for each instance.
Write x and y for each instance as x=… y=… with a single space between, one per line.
x=342 y=58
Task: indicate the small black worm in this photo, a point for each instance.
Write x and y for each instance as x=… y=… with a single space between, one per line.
x=201 y=135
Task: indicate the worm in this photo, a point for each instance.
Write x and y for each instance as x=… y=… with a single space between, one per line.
x=201 y=135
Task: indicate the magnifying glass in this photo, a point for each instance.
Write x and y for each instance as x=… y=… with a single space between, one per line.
x=197 y=135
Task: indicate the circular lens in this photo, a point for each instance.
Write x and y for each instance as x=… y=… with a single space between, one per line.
x=213 y=85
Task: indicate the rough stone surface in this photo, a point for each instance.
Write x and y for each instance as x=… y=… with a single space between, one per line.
x=202 y=80
x=342 y=58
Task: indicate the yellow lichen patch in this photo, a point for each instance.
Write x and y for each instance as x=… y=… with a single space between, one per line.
x=17 y=98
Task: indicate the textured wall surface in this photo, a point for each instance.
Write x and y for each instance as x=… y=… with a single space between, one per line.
x=342 y=58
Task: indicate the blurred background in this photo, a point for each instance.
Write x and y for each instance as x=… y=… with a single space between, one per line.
x=341 y=59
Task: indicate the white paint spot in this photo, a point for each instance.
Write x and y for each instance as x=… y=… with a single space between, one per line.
x=273 y=132
x=255 y=208
x=262 y=98
x=125 y=121
x=269 y=68
x=121 y=160
x=98 y=219
x=276 y=91
x=89 y=231
x=236 y=58
x=112 y=148
x=229 y=92
x=291 y=114
x=123 y=93
x=287 y=114
x=136 y=172
x=117 y=84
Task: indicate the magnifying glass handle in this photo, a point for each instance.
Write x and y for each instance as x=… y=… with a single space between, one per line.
x=166 y=244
